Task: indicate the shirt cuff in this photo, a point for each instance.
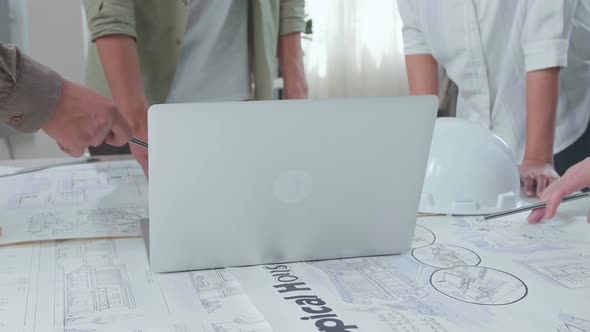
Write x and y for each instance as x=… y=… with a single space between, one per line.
x=35 y=93
x=414 y=43
x=292 y=17
x=291 y=24
x=545 y=54
x=110 y=18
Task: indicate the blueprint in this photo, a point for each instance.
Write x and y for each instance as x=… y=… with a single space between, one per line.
x=72 y=224
x=81 y=186
x=512 y=235
x=91 y=274
x=570 y=272
x=460 y=275
x=77 y=201
x=570 y=323
x=106 y=285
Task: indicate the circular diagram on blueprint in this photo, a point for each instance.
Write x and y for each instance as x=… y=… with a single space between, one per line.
x=445 y=255
x=479 y=285
x=423 y=237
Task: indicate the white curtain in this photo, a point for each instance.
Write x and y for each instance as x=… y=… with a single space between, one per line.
x=356 y=49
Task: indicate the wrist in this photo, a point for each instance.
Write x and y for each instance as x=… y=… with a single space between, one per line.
x=136 y=117
x=538 y=156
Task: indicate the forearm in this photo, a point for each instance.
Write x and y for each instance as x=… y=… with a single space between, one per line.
x=120 y=63
x=422 y=70
x=541 y=106
x=290 y=57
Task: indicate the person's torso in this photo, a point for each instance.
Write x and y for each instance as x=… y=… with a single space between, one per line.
x=213 y=63
x=478 y=42
x=160 y=26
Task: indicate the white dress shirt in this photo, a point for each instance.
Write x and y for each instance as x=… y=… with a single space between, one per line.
x=487 y=47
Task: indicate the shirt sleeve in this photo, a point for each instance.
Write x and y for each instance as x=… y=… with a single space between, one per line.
x=29 y=91
x=414 y=41
x=110 y=17
x=292 y=16
x=546 y=33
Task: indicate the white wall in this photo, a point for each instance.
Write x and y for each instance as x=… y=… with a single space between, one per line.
x=56 y=40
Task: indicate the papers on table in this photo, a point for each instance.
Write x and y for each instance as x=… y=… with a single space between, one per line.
x=463 y=274
x=79 y=201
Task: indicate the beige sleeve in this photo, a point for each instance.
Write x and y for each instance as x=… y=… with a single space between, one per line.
x=110 y=17
x=292 y=16
x=29 y=91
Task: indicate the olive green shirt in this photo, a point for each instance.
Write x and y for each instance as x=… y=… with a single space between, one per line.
x=29 y=91
x=158 y=27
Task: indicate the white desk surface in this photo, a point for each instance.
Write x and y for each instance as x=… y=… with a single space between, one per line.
x=462 y=275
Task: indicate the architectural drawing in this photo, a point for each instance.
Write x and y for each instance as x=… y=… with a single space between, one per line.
x=110 y=184
x=243 y=323
x=479 y=285
x=394 y=290
x=445 y=255
x=94 y=282
x=213 y=286
x=370 y=279
x=228 y=308
x=399 y=321
x=573 y=324
x=99 y=222
x=18 y=282
x=78 y=201
x=423 y=237
x=508 y=235
x=568 y=272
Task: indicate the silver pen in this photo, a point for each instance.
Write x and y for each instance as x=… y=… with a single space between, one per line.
x=135 y=141
x=533 y=206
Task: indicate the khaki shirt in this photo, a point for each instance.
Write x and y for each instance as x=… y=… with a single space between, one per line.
x=158 y=27
x=29 y=91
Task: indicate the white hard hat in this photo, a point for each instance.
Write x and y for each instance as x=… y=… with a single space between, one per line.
x=470 y=171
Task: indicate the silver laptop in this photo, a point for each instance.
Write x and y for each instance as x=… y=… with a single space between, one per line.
x=247 y=183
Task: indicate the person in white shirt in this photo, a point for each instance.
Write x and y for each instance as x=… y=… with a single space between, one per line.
x=522 y=69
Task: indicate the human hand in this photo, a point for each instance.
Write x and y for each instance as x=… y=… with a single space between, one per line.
x=576 y=178
x=535 y=176
x=82 y=118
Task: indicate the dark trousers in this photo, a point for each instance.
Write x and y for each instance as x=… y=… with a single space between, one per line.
x=574 y=153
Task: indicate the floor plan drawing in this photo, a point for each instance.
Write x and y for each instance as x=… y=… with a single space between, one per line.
x=243 y=324
x=573 y=324
x=460 y=275
x=94 y=282
x=213 y=286
x=568 y=272
x=423 y=237
x=100 y=285
x=215 y=295
x=479 y=285
x=18 y=285
x=445 y=255
x=507 y=235
x=223 y=299
x=367 y=280
x=104 y=184
x=398 y=321
x=100 y=222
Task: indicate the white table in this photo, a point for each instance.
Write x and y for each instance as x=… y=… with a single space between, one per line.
x=518 y=276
